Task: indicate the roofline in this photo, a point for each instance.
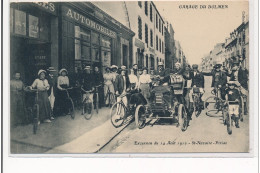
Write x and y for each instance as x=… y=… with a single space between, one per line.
x=157 y=11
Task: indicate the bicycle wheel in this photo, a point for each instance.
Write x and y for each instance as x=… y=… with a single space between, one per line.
x=72 y=109
x=140 y=116
x=197 y=109
x=213 y=106
x=36 y=118
x=182 y=118
x=229 y=124
x=111 y=99
x=117 y=114
x=88 y=110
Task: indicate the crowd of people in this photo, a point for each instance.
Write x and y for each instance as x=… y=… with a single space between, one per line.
x=117 y=80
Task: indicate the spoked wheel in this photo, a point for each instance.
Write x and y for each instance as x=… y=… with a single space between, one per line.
x=196 y=106
x=213 y=106
x=140 y=116
x=111 y=99
x=72 y=109
x=87 y=110
x=182 y=117
x=117 y=114
x=229 y=124
x=36 y=118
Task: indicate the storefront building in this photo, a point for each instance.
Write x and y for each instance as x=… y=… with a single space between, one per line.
x=33 y=38
x=65 y=35
x=91 y=37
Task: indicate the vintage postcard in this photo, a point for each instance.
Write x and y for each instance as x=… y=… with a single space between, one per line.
x=130 y=77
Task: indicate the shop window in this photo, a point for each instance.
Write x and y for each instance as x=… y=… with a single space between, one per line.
x=140 y=4
x=140 y=28
x=151 y=38
x=44 y=28
x=33 y=26
x=106 y=58
x=156 y=42
x=20 y=22
x=95 y=38
x=151 y=12
x=106 y=42
x=95 y=54
x=157 y=21
x=146 y=33
x=146 y=8
x=82 y=46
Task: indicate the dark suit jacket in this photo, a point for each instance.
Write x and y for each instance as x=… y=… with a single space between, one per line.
x=222 y=81
x=197 y=80
x=53 y=83
x=242 y=77
x=119 y=83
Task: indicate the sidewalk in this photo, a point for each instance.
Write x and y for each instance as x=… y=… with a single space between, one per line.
x=62 y=130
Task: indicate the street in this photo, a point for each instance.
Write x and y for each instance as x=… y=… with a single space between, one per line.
x=63 y=135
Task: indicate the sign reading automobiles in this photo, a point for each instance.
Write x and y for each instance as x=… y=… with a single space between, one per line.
x=87 y=22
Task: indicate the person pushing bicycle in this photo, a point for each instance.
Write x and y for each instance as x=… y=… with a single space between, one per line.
x=197 y=81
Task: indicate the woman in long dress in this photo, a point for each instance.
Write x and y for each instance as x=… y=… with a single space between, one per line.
x=18 y=108
x=42 y=85
x=61 y=105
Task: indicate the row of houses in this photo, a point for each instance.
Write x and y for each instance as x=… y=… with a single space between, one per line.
x=73 y=34
x=235 y=48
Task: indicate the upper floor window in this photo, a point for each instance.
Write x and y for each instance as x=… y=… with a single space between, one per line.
x=156 y=42
x=151 y=12
x=146 y=33
x=159 y=25
x=162 y=28
x=157 y=21
x=146 y=8
x=140 y=4
x=160 y=44
x=151 y=38
x=140 y=28
x=162 y=48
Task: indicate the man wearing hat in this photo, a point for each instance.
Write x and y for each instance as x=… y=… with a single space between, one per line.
x=135 y=68
x=122 y=83
x=87 y=84
x=52 y=80
x=163 y=73
x=98 y=81
x=240 y=75
x=219 y=79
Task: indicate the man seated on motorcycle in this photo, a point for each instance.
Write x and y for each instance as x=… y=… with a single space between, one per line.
x=233 y=97
x=219 y=79
x=197 y=80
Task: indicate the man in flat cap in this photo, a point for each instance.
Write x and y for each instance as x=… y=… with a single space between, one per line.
x=219 y=79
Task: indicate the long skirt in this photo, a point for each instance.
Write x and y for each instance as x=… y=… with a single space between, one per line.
x=61 y=103
x=111 y=89
x=44 y=106
x=18 y=109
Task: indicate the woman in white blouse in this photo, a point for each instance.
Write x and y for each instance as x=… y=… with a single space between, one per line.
x=42 y=85
x=61 y=103
x=144 y=84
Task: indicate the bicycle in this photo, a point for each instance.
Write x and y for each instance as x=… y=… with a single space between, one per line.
x=87 y=105
x=214 y=104
x=196 y=101
x=110 y=96
x=36 y=109
x=119 y=111
x=97 y=97
x=71 y=109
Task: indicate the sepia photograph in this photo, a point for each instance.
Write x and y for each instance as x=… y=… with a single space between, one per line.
x=129 y=77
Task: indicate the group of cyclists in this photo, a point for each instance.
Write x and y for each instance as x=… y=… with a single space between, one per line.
x=118 y=80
